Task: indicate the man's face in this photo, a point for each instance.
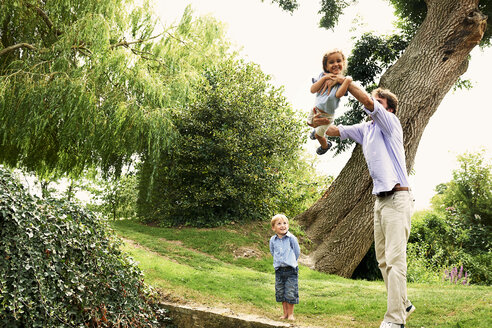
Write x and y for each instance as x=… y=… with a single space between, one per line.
x=384 y=102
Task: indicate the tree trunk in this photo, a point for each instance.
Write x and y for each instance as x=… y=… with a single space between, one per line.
x=340 y=224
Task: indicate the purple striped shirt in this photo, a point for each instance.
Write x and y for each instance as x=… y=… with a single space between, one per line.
x=382 y=144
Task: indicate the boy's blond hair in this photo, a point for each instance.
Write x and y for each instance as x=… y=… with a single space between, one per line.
x=278 y=217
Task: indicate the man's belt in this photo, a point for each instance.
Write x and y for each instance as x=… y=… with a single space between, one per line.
x=392 y=191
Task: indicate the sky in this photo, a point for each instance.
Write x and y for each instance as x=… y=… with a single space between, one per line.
x=289 y=48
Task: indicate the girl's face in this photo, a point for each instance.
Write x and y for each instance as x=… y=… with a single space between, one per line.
x=281 y=227
x=334 y=63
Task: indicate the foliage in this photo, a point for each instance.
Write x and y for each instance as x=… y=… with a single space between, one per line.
x=331 y=11
x=299 y=187
x=412 y=13
x=88 y=83
x=421 y=269
x=468 y=196
x=372 y=54
x=114 y=198
x=458 y=229
x=236 y=140
x=287 y=5
x=61 y=267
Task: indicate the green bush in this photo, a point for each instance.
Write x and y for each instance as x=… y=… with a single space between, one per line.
x=420 y=268
x=237 y=138
x=439 y=242
x=62 y=267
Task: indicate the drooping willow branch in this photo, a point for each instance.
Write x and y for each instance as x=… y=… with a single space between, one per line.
x=15 y=47
x=45 y=18
x=127 y=43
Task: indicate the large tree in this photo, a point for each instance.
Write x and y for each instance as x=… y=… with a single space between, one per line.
x=443 y=33
x=89 y=83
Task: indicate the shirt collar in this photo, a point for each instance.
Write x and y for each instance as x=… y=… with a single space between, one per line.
x=288 y=234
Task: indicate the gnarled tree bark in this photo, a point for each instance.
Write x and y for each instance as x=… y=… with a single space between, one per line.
x=340 y=224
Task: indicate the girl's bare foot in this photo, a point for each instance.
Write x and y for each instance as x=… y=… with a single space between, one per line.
x=291 y=317
x=283 y=316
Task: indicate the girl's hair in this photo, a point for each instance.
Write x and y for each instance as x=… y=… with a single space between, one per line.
x=391 y=98
x=278 y=217
x=331 y=52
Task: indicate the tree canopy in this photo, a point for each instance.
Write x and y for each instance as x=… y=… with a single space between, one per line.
x=237 y=139
x=89 y=83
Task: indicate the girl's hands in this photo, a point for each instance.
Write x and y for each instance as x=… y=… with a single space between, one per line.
x=330 y=80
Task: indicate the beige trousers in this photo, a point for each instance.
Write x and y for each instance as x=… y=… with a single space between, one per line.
x=391 y=230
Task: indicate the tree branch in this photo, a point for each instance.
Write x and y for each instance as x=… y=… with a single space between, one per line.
x=45 y=17
x=16 y=46
x=126 y=43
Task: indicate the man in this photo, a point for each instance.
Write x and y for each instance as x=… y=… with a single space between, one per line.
x=382 y=145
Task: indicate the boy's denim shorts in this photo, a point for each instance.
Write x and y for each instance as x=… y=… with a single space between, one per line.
x=286 y=286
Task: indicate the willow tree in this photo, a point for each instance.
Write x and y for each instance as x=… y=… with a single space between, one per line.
x=88 y=83
x=441 y=34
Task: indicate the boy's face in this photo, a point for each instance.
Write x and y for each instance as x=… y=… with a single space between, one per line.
x=281 y=227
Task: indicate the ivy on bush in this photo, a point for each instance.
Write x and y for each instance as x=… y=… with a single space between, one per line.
x=62 y=267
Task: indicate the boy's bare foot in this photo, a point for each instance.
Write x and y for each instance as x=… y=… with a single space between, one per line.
x=291 y=317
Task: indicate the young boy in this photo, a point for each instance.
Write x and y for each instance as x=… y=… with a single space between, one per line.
x=285 y=251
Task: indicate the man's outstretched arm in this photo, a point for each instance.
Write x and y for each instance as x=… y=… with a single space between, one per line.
x=332 y=131
x=362 y=96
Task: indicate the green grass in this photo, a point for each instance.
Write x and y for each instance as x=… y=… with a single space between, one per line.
x=199 y=265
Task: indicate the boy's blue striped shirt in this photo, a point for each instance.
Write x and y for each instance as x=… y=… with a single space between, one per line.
x=285 y=250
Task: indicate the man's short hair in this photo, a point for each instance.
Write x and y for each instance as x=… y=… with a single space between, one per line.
x=278 y=217
x=391 y=98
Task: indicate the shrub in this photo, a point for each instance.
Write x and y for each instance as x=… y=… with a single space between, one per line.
x=237 y=137
x=438 y=243
x=62 y=267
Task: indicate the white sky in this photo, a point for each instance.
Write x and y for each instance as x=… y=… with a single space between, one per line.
x=290 y=47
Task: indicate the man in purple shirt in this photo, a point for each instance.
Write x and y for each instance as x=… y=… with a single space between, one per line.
x=382 y=144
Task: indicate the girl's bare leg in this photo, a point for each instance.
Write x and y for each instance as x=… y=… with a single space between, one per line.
x=322 y=141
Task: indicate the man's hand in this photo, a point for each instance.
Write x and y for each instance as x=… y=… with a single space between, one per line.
x=318 y=120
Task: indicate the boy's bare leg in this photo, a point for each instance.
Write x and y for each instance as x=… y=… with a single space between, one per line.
x=286 y=310
x=322 y=141
x=290 y=311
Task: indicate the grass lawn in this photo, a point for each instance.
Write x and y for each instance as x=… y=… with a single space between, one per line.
x=231 y=267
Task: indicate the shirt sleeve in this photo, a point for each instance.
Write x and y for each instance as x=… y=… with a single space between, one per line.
x=271 y=246
x=385 y=120
x=316 y=79
x=295 y=246
x=354 y=132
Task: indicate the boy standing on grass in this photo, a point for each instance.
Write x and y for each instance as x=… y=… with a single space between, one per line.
x=285 y=251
